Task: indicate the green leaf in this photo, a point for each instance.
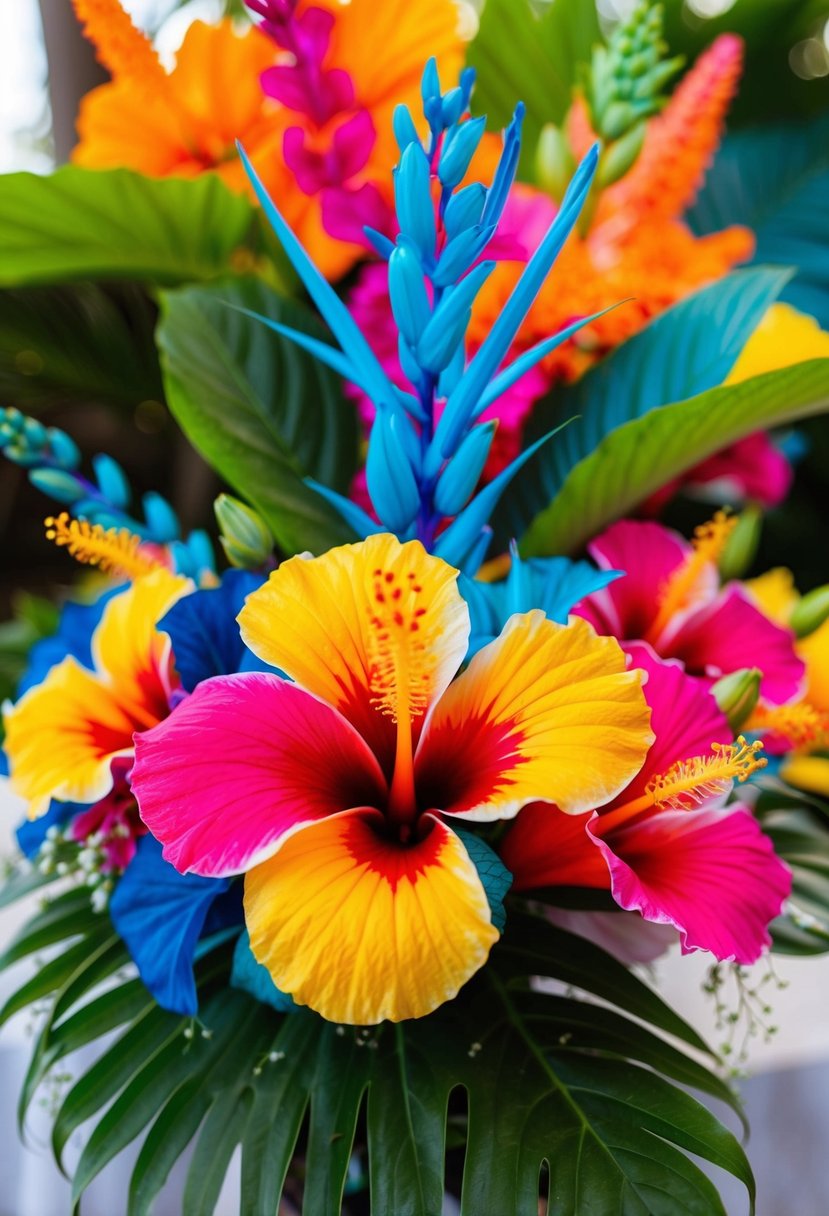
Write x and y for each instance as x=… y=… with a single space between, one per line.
x=262 y=412
x=78 y=343
x=117 y=224
x=775 y=180
x=687 y=350
x=800 y=835
x=522 y=56
x=638 y=458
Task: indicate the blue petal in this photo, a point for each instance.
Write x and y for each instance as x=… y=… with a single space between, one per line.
x=204 y=633
x=74 y=637
x=354 y=516
x=160 y=915
x=253 y=978
x=490 y=355
x=32 y=832
x=339 y=319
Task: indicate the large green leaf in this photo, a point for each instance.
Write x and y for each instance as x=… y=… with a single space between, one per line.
x=775 y=180
x=261 y=411
x=115 y=223
x=78 y=343
x=638 y=458
x=687 y=350
x=797 y=824
x=523 y=56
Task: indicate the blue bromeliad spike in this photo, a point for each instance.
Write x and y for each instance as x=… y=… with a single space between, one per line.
x=427 y=449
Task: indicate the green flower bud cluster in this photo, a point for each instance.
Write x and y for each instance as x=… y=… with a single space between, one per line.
x=623 y=87
x=246 y=538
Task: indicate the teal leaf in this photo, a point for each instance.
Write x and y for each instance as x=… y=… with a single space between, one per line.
x=775 y=180
x=264 y=413
x=252 y=977
x=495 y=878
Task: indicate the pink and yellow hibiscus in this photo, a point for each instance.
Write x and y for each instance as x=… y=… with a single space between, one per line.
x=667 y=847
x=671 y=598
x=335 y=793
x=67 y=737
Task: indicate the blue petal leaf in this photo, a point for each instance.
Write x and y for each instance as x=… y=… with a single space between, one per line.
x=339 y=319
x=160 y=914
x=204 y=633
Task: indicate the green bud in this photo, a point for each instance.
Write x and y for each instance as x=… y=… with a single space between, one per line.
x=741 y=546
x=245 y=537
x=554 y=161
x=619 y=158
x=811 y=612
x=737 y=694
x=617 y=120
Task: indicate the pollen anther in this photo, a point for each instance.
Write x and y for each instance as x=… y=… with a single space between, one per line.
x=114 y=550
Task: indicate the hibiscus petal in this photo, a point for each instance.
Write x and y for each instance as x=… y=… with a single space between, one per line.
x=543 y=847
x=649 y=554
x=546 y=712
x=732 y=633
x=62 y=736
x=362 y=928
x=130 y=653
x=685 y=717
x=240 y=763
x=712 y=874
x=336 y=623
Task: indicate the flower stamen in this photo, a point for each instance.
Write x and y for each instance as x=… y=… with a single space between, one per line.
x=113 y=550
x=708 y=544
x=689 y=783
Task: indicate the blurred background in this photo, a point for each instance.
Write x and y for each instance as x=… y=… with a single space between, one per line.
x=108 y=395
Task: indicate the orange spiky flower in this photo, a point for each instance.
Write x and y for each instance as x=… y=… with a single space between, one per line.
x=681 y=143
x=122 y=49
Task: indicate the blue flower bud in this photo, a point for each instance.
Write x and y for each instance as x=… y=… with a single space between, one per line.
x=99 y=513
x=463 y=472
x=200 y=549
x=413 y=198
x=34 y=432
x=452 y=373
x=379 y=242
x=391 y=481
x=447 y=327
x=458 y=150
x=452 y=106
x=405 y=132
x=464 y=209
x=408 y=361
x=505 y=172
x=57 y=484
x=13 y=418
x=467 y=83
x=112 y=481
x=407 y=291
x=162 y=521
x=460 y=253
x=21 y=454
x=64 y=450
x=430 y=81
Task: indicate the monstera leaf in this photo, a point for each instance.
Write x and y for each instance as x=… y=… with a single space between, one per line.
x=523 y=1075
x=262 y=412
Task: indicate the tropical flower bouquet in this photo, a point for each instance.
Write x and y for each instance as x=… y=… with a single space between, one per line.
x=354 y=831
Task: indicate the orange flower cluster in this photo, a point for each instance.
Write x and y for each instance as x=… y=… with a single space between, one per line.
x=637 y=249
x=186 y=121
